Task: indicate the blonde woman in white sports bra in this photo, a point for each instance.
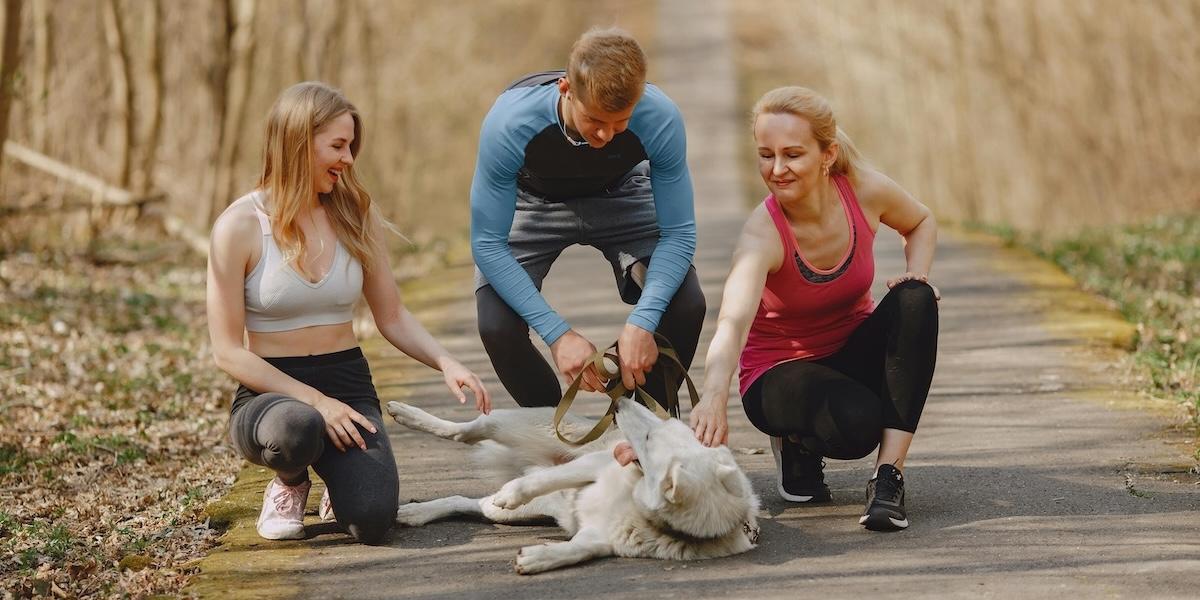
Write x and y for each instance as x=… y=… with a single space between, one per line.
x=286 y=265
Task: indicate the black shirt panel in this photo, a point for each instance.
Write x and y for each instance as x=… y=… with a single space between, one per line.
x=556 y=169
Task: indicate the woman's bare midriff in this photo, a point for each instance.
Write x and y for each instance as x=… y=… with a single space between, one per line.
x=319 y=339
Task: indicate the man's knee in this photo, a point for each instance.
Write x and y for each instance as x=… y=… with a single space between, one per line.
x=688 y=306
x=689 y=301
x=498 y=323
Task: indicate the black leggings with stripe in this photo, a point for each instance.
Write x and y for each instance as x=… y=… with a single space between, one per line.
x=288 y=436
x=839 y=405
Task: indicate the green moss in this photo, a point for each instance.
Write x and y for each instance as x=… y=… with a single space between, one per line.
x=245 y=565
x=134 y=562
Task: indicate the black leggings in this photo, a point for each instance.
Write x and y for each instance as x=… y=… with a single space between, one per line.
x=839 y=405
x=533 y=382
x=288 y=436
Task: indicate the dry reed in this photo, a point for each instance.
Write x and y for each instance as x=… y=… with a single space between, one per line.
x=1045 y=116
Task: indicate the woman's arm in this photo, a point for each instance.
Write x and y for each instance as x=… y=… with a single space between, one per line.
x=399 y=327
x=229 y=254
x=897 y=209
x=758 y=251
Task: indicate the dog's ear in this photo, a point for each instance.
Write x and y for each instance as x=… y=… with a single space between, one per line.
x=729 y=477
x=672 y=483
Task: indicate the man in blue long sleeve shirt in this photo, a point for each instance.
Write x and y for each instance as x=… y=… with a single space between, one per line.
x=592 y=155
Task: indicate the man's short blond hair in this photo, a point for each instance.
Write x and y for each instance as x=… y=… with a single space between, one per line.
x=607 y=68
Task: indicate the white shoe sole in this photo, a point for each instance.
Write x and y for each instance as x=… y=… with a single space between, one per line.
x=776 y=449
x=897 y=523
x=288 y=534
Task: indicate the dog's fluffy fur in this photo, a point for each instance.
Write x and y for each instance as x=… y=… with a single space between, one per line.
x=683 y=501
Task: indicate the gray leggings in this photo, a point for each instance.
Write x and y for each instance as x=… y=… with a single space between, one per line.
x=288 y=436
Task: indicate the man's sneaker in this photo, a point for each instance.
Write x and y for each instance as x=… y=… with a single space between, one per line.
x=282 y=516
x=325 y=509
x=885 y=501
x=799 y=475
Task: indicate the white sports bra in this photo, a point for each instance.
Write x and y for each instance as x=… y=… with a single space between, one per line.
x=280 y=299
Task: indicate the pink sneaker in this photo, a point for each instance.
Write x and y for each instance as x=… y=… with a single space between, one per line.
x=282 y=516
x=325 y=510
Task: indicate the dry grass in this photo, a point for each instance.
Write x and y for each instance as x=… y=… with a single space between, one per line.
x=1043 y=116
x=114 y=415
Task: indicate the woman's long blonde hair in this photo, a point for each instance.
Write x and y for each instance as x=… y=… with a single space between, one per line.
x=814 y=108
x=287 y=179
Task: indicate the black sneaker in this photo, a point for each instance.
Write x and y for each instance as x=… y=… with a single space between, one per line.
x=885 y=501
x=799 y=475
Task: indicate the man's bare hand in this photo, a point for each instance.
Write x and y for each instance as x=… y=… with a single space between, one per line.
x=572 y=353
x=638 y=354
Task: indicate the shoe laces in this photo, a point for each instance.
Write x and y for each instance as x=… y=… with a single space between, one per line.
x=289 y=498
x=888 y=484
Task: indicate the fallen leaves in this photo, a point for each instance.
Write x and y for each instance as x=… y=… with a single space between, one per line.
x=114 y=426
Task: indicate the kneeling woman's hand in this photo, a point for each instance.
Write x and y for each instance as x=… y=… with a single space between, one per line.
x=339 y=423
x=457 y=377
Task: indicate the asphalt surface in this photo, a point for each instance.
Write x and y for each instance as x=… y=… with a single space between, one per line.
x=1033 y=474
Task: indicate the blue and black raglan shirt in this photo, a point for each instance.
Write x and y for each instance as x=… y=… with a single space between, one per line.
x=522 y=145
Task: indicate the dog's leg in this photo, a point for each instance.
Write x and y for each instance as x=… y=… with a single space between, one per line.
x=587 y=544
x=575 y=474
x=471 y=432
x=415 y=514
x=555 y=506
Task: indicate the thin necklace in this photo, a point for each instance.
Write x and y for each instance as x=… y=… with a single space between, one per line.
x=563 y=128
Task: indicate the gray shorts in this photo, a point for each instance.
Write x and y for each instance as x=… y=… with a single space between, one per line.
x=620 y=222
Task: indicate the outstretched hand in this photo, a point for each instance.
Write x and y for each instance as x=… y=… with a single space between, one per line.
x=710 y=423
x=457 y=377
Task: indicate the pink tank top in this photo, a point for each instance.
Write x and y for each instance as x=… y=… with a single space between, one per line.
x=806 y=312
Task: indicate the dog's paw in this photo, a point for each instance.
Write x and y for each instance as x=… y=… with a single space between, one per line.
x=511 y=495
x=403 y=413
x=412 y=514
x=532 y=559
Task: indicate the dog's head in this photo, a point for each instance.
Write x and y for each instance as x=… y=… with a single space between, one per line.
x=690 y=488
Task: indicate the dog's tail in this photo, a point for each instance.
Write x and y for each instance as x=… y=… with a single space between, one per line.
x=516 y=448
x=503 y=463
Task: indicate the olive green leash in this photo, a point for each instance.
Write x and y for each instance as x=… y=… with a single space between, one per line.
x=669 y=361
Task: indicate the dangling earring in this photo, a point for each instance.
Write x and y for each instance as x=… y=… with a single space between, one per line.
x=825 y=170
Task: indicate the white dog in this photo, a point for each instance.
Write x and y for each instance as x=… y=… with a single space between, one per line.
x=684 y=501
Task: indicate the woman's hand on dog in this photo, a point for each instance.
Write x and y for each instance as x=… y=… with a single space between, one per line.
x=339 y=423
x=457 y=377
x=710 y=423
x=624 y=453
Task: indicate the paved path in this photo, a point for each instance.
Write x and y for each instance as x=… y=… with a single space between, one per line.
x=1024 y=479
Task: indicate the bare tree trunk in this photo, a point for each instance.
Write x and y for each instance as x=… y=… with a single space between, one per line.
x=9 y=61
x=238 y=81
x=323 y=42
x=144 y=175
x=122 y=92
x=41 y=74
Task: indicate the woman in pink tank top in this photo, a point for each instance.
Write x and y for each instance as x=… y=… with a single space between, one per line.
x=824 y=371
